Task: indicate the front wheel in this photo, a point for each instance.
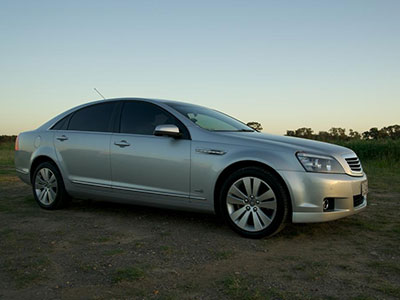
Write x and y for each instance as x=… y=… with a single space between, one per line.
x=254 y=202
x=48 y=187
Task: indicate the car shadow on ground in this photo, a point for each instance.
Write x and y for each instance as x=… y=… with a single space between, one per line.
x=183 y=219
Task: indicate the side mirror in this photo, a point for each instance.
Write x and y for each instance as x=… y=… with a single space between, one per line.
x=167 y=130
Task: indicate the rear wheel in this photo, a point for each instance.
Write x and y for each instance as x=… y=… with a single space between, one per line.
x=254 y=202
x=48 y=187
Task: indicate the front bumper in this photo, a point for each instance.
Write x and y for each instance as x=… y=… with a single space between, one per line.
x=308 y=191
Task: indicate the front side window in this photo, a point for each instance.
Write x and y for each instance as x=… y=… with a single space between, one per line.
x=209 y=119
x=142 y=118
x=92 y=118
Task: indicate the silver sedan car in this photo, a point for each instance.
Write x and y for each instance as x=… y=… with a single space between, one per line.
x=182 y=156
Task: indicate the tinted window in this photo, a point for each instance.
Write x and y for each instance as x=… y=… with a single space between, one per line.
x=143 y=118
x=93 y=118
x=62 y=124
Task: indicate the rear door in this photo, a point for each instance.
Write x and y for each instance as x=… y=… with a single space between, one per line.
x=82 y=143
x=155 y=166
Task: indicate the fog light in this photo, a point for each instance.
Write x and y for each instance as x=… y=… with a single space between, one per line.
x=328 y=204
x=325 y=204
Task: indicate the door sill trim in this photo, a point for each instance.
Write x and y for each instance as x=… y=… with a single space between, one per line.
x=114 y=187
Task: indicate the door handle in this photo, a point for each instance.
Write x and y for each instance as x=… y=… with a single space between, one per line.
x=122 y=144
x=62 y=138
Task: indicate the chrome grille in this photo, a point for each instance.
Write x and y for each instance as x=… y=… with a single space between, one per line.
x=354 y=164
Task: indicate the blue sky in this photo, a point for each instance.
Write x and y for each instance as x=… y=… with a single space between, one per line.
x=286 y=64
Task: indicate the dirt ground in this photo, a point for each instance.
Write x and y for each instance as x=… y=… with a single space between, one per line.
x=97 y=250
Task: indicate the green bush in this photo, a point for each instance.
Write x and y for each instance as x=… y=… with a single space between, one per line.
x=388 y=150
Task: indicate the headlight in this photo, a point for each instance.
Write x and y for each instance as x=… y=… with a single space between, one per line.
x=319 y=163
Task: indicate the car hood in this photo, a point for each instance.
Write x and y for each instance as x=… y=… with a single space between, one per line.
x=286 y=143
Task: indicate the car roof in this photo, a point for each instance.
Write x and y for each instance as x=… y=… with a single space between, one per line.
x=153 y=100
x=150 y=100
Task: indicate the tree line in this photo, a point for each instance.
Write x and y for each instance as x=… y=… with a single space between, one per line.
x=339 y=134
x=7 y=138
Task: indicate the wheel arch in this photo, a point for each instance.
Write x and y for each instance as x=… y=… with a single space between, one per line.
x=38 y=160
x=243 y=164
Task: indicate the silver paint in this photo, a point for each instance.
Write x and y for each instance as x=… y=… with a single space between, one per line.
x=182 y=174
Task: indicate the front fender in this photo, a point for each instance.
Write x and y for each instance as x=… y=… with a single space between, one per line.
x=206 y=168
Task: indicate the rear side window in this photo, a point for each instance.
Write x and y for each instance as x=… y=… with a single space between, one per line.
x=62 y=124
x=93 y=118
x=143 y=118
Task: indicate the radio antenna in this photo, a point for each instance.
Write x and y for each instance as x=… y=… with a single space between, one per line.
x=99 y=93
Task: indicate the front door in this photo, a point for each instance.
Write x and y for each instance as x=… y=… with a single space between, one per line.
x=155 y=166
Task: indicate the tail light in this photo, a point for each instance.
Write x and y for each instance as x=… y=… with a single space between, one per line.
x=17 y=143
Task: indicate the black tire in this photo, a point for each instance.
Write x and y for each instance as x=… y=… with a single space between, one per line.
x=281 y=200
x=61 y=198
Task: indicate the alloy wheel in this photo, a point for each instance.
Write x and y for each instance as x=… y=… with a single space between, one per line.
x=251 y=204
x=46 y=186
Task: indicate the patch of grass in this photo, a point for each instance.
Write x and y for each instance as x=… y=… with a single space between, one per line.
x=311 y=270
x=113 y=252
x=164 y=233
x=240 y=287
x=139 y=244
x=7 y=171
x=383 y=175
x=174 y=295
x=27 y=271
x=388 y=289
x=86 y=268
x=4 y=207
x=128 y=274
x=385 y=267
x=363 y=224
x=363 y=297
x=300 y=267
x=396 y=229
x=298 y=231
x=345 y=267
x=20 y=205
x=6 y=154
x=6 y=234
x=224 y=254
x=17 y=238
x=29 y=200
x=103 y=239
x=166 y=249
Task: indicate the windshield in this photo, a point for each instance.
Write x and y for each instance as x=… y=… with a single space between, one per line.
x=210 y=119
